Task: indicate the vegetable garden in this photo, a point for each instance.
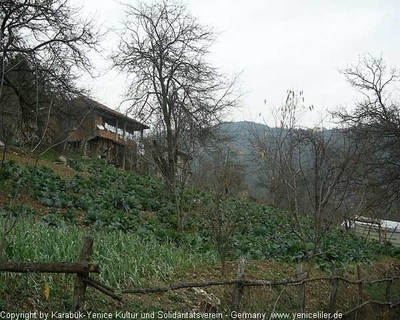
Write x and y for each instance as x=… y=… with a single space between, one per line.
x=136 y=242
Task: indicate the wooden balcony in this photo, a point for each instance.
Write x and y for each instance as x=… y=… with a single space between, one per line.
x=114 y=137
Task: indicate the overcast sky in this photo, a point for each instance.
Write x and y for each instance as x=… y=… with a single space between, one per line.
x=279 y=45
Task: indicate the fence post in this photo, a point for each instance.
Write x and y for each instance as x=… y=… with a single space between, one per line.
x=334 y=290
x=360 y=291
x=302 y=287
x=389 y=274
x=239 y=287
x=80 y=285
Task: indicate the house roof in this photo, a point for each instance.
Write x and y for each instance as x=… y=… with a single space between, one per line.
x=113 y=113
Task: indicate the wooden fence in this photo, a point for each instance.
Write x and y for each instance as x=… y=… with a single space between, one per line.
x=301 y=281
x=83 y=267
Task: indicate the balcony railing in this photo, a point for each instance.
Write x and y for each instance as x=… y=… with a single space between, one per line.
x=114 y=137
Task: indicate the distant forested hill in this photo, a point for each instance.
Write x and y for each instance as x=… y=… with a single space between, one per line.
x=242 y=136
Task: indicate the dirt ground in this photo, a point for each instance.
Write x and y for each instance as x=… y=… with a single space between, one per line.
x=24 y=159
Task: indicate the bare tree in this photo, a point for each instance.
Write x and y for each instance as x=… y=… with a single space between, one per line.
x=375 y=123
x=44 y=46
x=163 y=50
x=220 y=170
x=223 y=215
x=272 y=144
x=308 y=172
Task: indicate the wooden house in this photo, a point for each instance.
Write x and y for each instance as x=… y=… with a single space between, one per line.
x=95 y=130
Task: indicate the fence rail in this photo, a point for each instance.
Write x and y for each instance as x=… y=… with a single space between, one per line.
x=49 y=267
x=81 y=268
x=301 y=280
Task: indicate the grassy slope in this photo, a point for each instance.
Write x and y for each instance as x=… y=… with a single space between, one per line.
x=136 y=243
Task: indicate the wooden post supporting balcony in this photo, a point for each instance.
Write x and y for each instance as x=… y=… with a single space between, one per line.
x=124 y=152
